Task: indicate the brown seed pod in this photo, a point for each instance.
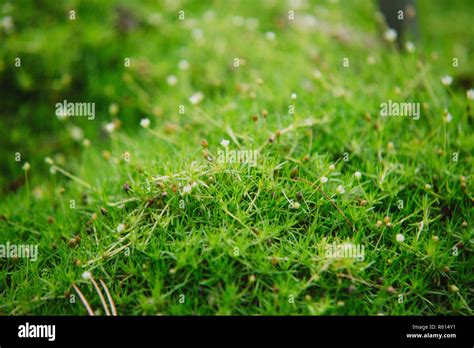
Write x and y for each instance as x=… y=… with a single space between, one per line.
x=204 y=143
x=126 y=187
x=294 y=173
x=368 y=118
x=150 y=202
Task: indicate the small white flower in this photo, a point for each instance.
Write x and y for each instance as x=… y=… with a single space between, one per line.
x=427 y=186
x=76 y=133
x=7 y=23
x=447 y=116
x=26 y=167
x=171 y=80
x=390 y=35
x=358 y=175
x=120 y=228
x=317 y=74
x=183 y=64
x=49 y=160
x=196 y=98
x=87 y=275
x=86 y=142
x=400 y=238
x=187 y=189
x=332 y=167
x=197 y=34
x=62 y=115
x=145 y=122
x=470 y=94
x=225 y=143
x=446 y=80
x=110 y=127
x=293 y=96
x=270 y=35
x=410 y=47
x=323 y=180
x=340 y=189
x=295 y=205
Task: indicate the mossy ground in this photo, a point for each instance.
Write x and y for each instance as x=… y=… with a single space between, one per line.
x=237 y=243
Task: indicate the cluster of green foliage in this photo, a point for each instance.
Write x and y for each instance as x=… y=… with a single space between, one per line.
x=172 y=231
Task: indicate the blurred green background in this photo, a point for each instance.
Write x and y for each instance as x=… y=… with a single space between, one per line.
x=83 y=60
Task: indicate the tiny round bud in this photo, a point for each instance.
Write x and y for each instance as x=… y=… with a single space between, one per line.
x=295 y=205
x=26 y=166
x=400 y=238
x=453 y=288
x=294 y=173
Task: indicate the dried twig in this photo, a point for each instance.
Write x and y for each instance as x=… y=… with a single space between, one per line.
x=83 y=299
